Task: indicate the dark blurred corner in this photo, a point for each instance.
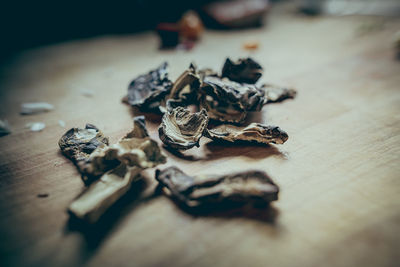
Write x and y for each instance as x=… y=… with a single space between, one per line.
x=26 y=24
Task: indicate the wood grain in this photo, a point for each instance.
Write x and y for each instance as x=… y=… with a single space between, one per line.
x=339 y=171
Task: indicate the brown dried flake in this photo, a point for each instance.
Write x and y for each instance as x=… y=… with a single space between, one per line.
x=275 y=93
x=243 y=187
x=181 y=129
x=229 y=101
x=186 y=86
x=148 y=91
x=244 y=70
x=255 y=132
x=77 y=144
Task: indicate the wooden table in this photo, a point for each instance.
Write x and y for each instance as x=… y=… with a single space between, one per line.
x=339 y=172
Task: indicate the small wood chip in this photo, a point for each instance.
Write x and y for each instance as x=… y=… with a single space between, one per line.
x=34 y=108
x=4 y=128
x=35 y=126
x=61 y=123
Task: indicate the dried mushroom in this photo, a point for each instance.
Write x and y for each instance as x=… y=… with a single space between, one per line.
x=135 y=149
x=181 y=129
x=103 y=193
x=243 y=187
x=77 y=144
x=119 y=165
x=243 y=71
x=186 y=86
x=255 y=132
x=276 y=93
x=229 y=101
x=148 y=91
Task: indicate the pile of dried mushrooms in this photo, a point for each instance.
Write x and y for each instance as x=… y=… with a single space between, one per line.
x=225 y=98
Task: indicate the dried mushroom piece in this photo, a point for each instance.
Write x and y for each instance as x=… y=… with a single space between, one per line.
x=229 y=101
x=186 y=86
x=181 y=129
x=207 y=72
x=77 y=144
x=103 y=193
x=148 y=91
x=275 y=93
x=245 y=70
x=119 y=165
x=139 y=128
x=243 y=187
x=135 y=149
x=255 y=132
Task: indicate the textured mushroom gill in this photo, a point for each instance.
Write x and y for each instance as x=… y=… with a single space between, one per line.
x=256 y=132
x=181 y=129
x=77 y=144
x=229 y=101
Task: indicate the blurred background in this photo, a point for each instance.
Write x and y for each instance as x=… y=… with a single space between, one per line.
x=28 y=24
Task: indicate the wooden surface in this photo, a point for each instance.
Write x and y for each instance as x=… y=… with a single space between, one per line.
x=339 y=172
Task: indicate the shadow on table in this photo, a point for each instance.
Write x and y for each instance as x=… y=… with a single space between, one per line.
x=222 y=149
x=95 y=234
x=265 y=213
x=150 y=116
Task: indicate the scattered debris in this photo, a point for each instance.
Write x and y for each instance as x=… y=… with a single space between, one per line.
x=87 y=92
x=4 y=128
x=251 y=45
x=44 y=195
x=61 y=123
x=35 y=126
x=34 y=108
x=194 y=191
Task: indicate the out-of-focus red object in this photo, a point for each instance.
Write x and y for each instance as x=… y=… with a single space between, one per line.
x=169 y=34
x=183 y=34
x=236 y=14
x=191 y=27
